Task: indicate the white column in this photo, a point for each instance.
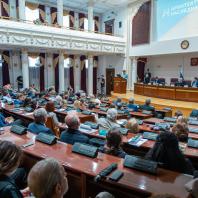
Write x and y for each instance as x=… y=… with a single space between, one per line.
x=128 y=69
x=61 y=73
x=50 y=76
x=47 y=14
x=77 y=74
x=90 y=75
x=13 y=13
x=90 y=16
x=25 y=68
x=60 y=12
x=134 y=71
x=22 y=9
x=76 y=20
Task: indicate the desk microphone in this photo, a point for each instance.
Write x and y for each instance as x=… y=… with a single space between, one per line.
x=105 y=172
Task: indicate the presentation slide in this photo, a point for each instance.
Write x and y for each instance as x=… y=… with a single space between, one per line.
x=176 y=19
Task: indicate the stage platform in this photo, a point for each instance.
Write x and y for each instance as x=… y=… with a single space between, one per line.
x=185 y=107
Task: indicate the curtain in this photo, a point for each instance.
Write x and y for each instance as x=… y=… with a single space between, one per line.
x=56 y=67
x=141 y=62
x=54 y=15
x=81 y=21
x=5 y=68
x=83 y=74
x=5 y=10
x=42 y=71
x=96 y=24
x=95 y=74
x=141 y=25
x=71 y=71
x=42 y=13
x=71 y=19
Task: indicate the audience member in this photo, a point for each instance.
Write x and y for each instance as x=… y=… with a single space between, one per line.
x=72 y=134
x=50 y=112
x=109 y=122
x=77 y=105
x=132 y=125
x=11 y=178
x=181 y=131
x=192 y=187
x=38 y=126
x=166 y=151
x=113 y=144
x=178 y=113
x=147 y=106
x=48 y=179
x=132 y=106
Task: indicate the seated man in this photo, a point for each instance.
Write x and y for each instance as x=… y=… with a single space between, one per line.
x=195 y=82
x=38 y=126
x=147 y=106
x=72 y=134
x=110 y=121
x=48 y=178
x=119 y=100
x=132 y=106
x=180 y=82
x=5 y=121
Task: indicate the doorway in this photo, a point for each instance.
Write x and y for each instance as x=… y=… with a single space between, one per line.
x=109 y=27
x=110 y=74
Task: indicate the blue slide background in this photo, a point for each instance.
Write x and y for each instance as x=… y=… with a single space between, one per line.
x=166 y=16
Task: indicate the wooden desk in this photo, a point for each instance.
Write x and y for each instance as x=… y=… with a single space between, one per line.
x=81 y=171
x=167 y=92
x=120 y=85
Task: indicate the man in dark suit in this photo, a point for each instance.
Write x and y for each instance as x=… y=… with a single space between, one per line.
x=147 y=106
x=38 y=126
x=147 y=77
x=72 y=134
x=180 y=83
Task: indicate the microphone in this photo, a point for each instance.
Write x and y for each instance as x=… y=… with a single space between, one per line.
x=105 y=172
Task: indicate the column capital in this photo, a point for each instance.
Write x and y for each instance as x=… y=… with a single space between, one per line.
x=90 y=56
x=24 y=50
x=91 y=3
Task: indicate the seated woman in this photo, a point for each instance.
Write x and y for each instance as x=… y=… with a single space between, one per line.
x=132 y=125
x=38 y=126
x=182 y=120
x=113 y=144
x=11 y=178
x=166 y=151
x=181 y=131
x=77 y=105
x=48 y=179
x=49 y=107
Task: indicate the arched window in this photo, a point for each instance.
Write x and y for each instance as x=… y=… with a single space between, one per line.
x=31 y=15
x=86 y=24
x=34 y=71
x=34 y=62
x=86 y=63
x=66 y=21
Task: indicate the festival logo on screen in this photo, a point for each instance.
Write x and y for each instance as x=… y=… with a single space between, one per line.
x=176 y=18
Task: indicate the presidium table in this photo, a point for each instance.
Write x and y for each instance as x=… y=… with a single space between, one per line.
x=167 y=92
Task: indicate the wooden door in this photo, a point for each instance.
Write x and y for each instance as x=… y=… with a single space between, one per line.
x=109 y=27
x=110 y=74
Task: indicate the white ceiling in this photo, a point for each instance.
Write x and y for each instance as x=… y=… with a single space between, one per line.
x=100 y=6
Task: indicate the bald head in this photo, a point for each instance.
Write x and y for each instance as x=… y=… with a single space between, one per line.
x=47 y=178
x=72 y=121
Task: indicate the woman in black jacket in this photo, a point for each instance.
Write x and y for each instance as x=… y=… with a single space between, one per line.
x=166 y=151
x=10 y=157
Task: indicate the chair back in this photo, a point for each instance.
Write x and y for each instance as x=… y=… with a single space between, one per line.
x=50 y=124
